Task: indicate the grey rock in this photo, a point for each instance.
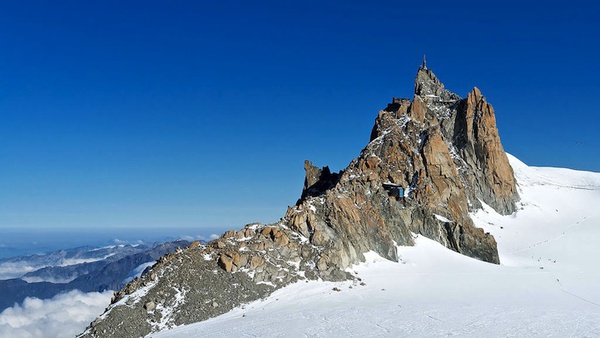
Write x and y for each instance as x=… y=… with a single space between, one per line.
x=149 y=306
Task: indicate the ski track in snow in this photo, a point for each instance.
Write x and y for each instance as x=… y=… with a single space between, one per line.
x=548 y=283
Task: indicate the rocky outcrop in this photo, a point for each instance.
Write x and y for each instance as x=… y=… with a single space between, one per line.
x=317 y=180
x=203 y=281
x=476 y=139
x=430 y=161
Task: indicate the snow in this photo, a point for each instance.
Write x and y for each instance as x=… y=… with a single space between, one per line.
x=442 y=218
x=546 y=285
x=243 y=239
x=134 y=298
x=167 y=311
x=295 y=264
x=379 y=139
x=137 y=272
x=253 y=226
x=402 y=121
x=107 y=247
x=76 y=261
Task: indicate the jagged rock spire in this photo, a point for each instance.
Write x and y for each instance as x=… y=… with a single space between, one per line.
x=428 y=85
x=478 y=143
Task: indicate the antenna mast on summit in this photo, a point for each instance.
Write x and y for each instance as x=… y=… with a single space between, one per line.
x=424 y=62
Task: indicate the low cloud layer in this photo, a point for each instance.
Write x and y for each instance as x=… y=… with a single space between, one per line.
x=64 y=315
x=15 y=269
x=199 y=238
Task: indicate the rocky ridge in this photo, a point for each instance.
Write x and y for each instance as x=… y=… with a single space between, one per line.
x=429 y=162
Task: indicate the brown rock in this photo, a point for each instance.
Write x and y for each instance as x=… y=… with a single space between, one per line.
x=322 y=263
x=282 y=240
x=242 y=260
x=229 y=234
x=267 y=231
x=418 y=110
x=256 y=261
x=226 y=263
x=478 y=142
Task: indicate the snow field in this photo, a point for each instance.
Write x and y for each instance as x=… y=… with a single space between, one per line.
x=548 y=283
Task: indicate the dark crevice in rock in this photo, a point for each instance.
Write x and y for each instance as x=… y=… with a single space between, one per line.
x=452 y=244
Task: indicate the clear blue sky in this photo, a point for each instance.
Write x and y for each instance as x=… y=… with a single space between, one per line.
x=199 y=114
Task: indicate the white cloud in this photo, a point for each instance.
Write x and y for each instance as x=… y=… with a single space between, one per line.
x=16 y=269
x=51 y=279
x=64 y=315
x=199 y=238
x=188 y=238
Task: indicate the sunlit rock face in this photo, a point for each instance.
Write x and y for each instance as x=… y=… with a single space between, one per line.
x=445 y=154
x=429 y=162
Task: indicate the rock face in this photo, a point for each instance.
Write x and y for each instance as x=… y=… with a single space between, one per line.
x=429 y=162
x=477 y=141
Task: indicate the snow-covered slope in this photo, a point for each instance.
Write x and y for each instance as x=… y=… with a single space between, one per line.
x=547 y=283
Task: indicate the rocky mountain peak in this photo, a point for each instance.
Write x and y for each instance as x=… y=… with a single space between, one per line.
x=429 y=162
x=427 y=85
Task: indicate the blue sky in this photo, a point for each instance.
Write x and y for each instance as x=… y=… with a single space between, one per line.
x=199 y=114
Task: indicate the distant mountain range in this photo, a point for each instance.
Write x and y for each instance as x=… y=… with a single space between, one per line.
x=84 y=268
